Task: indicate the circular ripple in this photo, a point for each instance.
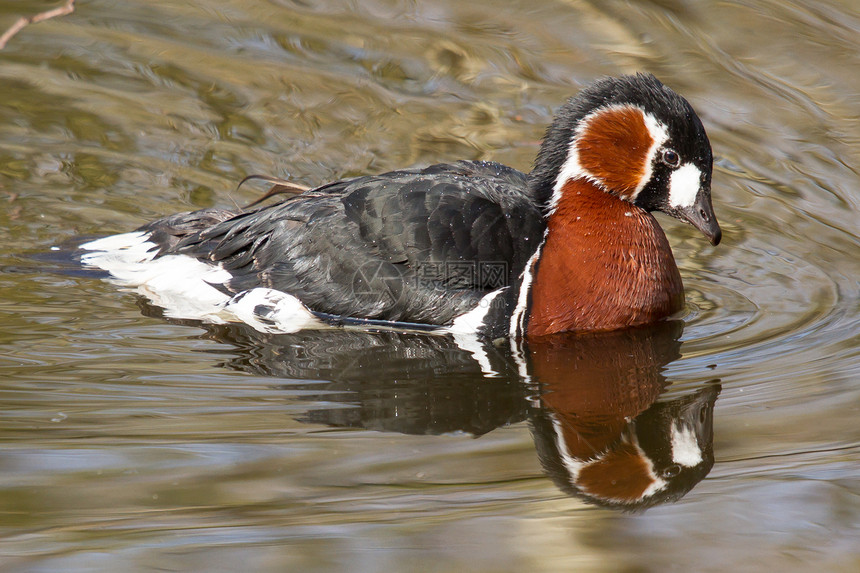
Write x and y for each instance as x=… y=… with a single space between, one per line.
x=768 y=305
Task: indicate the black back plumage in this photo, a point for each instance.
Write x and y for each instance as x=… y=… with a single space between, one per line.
x=418 y=245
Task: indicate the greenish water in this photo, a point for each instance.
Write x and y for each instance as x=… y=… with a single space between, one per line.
x=132 y=442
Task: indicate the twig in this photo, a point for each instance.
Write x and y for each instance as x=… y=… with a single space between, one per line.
x=19 y=25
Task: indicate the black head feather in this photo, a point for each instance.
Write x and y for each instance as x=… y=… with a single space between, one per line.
x=686 y=132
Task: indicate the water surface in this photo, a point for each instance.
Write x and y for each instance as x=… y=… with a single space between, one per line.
x=130 y=441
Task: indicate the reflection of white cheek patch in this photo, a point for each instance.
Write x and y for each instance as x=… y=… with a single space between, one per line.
x=685 y=447
x=684 y=185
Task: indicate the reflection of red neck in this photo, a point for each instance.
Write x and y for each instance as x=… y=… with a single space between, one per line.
x=605 y=264
x=595 y=384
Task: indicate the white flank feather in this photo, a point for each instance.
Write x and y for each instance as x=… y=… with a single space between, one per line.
x=183 y=286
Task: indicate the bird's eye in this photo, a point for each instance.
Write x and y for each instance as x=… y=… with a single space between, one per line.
x=671 y=471
x=671 y=158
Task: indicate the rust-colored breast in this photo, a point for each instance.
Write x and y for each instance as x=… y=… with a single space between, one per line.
x=606 y=264
x=594 y=384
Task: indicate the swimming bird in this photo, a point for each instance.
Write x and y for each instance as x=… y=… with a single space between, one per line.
x=464 y=247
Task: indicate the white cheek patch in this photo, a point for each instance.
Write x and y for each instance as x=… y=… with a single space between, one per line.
x=684 y=185
x=685 y=447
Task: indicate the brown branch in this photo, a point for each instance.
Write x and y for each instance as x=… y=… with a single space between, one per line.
x=22 y=22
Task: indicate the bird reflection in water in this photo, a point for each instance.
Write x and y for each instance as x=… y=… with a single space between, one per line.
x=601 y=430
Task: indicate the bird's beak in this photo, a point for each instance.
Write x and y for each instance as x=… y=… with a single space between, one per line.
x=701 y=215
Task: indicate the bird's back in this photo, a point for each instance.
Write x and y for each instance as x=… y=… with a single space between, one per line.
x=420 y=245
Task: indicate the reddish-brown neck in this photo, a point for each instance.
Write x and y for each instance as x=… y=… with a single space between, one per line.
x=605 y=264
